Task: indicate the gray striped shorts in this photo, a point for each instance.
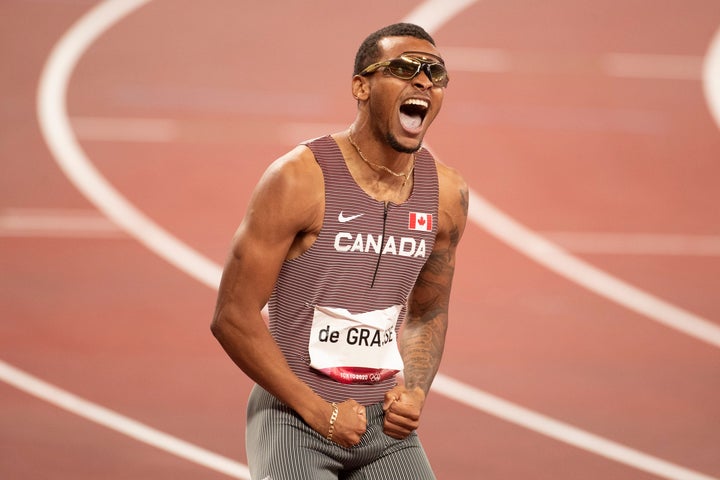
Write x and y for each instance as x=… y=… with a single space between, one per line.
x=281 y=446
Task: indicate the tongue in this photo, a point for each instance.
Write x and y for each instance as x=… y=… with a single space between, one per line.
x=410 y=122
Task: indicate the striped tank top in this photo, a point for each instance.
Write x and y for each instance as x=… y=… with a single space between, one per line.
x=366 y=259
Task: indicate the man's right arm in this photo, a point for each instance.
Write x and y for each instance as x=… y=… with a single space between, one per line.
x=287 y=204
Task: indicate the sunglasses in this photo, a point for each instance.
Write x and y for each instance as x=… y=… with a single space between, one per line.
x=408 y=65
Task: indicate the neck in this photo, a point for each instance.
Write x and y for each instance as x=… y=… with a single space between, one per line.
x=380 y=146
x=403 y=172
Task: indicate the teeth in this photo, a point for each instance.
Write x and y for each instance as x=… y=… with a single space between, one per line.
x=415 y=101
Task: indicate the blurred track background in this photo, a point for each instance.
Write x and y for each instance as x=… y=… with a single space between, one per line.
x=585 y=322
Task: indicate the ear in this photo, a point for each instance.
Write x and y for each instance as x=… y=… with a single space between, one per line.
x=360 y=87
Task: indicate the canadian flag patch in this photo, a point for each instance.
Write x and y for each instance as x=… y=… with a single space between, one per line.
x=420 y=221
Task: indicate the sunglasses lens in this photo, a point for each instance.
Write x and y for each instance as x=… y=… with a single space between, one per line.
x=406 y=69
x=438 y=75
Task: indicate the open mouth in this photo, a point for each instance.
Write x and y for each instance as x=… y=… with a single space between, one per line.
x=412 y=113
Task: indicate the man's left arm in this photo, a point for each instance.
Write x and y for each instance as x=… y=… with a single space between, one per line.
x=423 y=337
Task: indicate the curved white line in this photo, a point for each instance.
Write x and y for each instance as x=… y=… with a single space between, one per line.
x=711 y=77
x=113 y=420
x=59 y=136
x=563 y=432
x=58 y=133
x=561 y=262
x=433 y=14
x=556 y=259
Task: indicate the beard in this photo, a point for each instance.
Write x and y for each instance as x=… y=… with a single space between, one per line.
x=393 y=142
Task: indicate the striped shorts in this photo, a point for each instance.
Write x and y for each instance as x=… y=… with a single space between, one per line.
x=281 y=446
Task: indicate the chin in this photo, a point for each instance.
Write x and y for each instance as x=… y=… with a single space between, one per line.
x=399 y=147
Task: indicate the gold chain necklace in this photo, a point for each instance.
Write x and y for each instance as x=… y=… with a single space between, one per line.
x=406 y=175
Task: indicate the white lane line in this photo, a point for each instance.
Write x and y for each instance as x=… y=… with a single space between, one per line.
x=290 y=132
x=475 y=398
x=58 y=134
x=476 y=59
x=460 y=59
x=711 y=77
x=115 y=421
x=586 y=275
x=55 y=127
x=636 y=243
x=649 y=66
x=614 y=64
x=24 y=222
x=433 y=14
x=125 y=129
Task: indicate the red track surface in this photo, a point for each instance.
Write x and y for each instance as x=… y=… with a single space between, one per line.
x=554 y=141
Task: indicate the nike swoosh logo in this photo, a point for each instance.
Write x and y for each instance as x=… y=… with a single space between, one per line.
x=342 y=218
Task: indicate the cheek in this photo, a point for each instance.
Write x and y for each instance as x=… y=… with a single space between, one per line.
x=438 y=96
x=382 y=104
x=437 y=103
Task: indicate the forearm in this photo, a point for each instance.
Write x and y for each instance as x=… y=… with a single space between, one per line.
x=423 y=336
x=422 y=346
x=250 y=346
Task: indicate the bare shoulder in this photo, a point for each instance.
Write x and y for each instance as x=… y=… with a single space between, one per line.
x=297 y=170
x=291 y=191
x=451 y=181
x=454 y=202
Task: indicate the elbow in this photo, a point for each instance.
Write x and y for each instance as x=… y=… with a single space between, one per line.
x=226 y=324
x=218 y=325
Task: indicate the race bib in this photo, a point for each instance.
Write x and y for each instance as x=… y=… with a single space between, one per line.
x=355 y=348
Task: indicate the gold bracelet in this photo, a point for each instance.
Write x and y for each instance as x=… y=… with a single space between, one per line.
x=333 y=417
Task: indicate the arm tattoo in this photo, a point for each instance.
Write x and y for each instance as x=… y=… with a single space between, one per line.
x=423 y=338
x=424 y=335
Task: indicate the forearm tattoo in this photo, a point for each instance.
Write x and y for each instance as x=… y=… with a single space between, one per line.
x=426 y=325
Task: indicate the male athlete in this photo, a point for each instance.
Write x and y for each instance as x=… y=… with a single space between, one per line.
x=348 y=238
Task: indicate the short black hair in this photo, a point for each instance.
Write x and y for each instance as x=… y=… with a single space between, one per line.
x=369 y=51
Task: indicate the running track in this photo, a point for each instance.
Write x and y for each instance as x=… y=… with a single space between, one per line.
x=584 y=338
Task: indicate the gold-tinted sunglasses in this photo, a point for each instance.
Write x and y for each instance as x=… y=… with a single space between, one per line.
x=408 y=65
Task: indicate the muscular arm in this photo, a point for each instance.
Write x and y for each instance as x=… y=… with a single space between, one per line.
x=283 y=218
x=423 y=337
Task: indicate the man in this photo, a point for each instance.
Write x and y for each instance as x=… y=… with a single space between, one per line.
x=348 y=237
